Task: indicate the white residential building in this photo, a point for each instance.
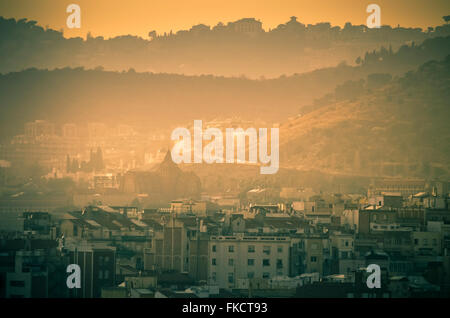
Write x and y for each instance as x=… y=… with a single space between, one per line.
x=237 y=261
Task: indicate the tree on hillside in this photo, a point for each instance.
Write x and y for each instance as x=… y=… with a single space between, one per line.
x=75 y=165
x=99 y=159
x=152 y=34
x=68 y=165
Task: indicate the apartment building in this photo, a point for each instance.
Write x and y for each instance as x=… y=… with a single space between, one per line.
x=241 y=261
x=97 y=262
x=30 y=275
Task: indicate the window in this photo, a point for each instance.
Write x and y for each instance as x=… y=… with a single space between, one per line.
x=231 y=248
x=434 y=242
x=251 y=248
x=425 y=242
x=250 y=275
x=280 y=249
x=230 y=278
x=214 y=276
x=313 y=259
x=266 y=250
x=344 y=255
x=251 y=262
x=213 y=262
x=279 y=263
x=106 y=274
x=230 y=262
x=266 y=275
x=416 y=242
x=266 y=262
x=106 y=259
x=214 y=248
x=17 y=283
x=100 y=274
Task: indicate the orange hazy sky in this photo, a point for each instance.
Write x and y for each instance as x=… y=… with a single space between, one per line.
x=137 y=17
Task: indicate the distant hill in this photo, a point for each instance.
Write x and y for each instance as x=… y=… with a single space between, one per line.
x=166 y=100
x=396 y=128
x=224 y=49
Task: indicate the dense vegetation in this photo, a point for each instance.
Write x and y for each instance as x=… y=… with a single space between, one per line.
x=399 y=128
x=290 y=48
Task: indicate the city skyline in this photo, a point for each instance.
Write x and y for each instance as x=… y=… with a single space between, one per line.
x=138 y=17
x=227 y=160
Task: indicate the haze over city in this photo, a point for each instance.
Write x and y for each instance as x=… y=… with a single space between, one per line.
x=224 y=149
